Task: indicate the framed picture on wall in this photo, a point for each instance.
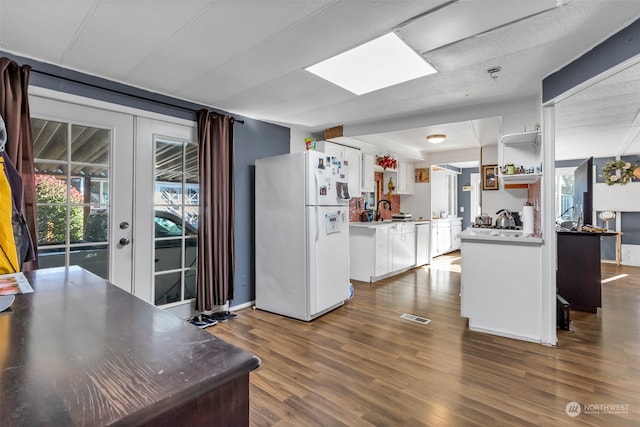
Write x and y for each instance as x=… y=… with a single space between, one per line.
x=490 y=177
x=422 y=175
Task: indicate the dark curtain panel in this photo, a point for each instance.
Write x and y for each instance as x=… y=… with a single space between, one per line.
x=216 y=228
x=14 y=108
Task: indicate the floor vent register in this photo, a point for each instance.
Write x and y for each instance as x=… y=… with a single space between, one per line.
x=416 y=319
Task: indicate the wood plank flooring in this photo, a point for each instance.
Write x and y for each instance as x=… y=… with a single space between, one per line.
x=362 y=365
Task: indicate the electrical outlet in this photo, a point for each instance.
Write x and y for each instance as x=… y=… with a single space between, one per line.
x=461 y=208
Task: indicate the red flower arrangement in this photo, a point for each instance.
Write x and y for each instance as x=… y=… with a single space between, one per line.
x=387 y=162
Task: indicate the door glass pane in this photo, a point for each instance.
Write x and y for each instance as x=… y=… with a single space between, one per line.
x=168 y=288
x=90 y=145
x=50 y=139
x=176 y=220
x=72 y=191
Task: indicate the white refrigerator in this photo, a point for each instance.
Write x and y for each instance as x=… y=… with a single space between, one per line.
x=302 y=234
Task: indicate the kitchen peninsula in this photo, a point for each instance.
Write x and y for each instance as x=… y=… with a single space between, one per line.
x=381 y=249
x=501 y=283
x=81 y=351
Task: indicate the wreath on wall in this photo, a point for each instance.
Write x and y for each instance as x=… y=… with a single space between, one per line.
x=619 y=172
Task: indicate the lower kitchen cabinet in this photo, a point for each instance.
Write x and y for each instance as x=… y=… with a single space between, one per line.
x=379 y=250
x=444 y=235
x=403 y=242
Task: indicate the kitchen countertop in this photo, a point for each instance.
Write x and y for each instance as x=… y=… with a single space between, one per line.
x=374 y=224
x=495 y=235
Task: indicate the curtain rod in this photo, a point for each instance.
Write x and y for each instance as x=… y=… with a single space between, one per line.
x=140 y=97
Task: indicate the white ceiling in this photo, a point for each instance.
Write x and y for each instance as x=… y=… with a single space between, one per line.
x=248 y=58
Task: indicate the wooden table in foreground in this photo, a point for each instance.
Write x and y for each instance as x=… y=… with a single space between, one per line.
x=79 y=351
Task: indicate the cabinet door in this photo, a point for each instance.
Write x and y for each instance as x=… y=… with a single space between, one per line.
x=382 y=251
x=434 y=241
x=456 y=228
x=408 y=177
x=405 y=184
x=368 y=184
x=352 y=158
x=444 y=238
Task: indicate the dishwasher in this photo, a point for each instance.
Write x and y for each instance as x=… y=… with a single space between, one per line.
x=422 y=244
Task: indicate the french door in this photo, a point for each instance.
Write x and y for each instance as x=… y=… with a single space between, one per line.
x=84 y=187
x=118 y=194
x=168 y=191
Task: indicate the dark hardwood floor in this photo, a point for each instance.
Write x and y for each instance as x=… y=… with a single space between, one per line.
x=363 y=365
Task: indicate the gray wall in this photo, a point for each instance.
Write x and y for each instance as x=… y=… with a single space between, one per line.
x=464 y=197
x=253 y=140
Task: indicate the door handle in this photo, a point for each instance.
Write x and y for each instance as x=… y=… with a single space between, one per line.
x=124 y=241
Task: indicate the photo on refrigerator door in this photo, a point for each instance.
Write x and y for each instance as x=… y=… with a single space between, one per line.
x=343 y=190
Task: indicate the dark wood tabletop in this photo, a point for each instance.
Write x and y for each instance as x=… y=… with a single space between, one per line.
x=79 y=351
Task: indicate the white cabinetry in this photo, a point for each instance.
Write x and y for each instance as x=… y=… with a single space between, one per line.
x=403 y=178
x=456 y=229
x=382 y=253
x=406 y=178
x=444 y=235
x=352 y=157
x=379 y=250
x=368 y=182
x=422 y=244
x=403 y=240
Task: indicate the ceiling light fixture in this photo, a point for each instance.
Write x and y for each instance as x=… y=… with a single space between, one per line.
x=436 y=138
x=380 y=63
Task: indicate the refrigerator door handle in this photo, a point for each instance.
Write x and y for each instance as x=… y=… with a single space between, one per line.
x=317 y=225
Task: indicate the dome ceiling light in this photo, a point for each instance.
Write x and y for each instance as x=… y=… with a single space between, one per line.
x=436 y=138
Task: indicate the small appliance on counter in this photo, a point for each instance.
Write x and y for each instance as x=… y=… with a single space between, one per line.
x=401 y=217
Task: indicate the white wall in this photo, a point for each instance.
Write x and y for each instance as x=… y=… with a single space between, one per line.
x=418 y=204
x=621 y=198
x=296 y=143
x=494 y=200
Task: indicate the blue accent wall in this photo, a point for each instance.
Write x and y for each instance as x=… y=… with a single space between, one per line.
x=253 y=140
x=618 y=48
x=464 y=197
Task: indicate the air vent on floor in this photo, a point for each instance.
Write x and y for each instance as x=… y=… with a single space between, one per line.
x=416 y=319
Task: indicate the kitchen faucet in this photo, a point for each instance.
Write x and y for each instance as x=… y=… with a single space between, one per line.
x=378 y=207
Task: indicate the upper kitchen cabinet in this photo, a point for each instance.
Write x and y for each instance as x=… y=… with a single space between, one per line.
x=368 y=179
x=520 y=158
x=406 y=178
x=403 y=178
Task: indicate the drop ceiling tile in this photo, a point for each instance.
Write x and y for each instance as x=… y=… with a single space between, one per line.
x=24 y=25
x=328 y=32
x=225 y=31
x=464 y=19
x=119 y=35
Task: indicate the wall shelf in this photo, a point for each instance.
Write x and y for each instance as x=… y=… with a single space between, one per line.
x=522 y=178
x=525 y=138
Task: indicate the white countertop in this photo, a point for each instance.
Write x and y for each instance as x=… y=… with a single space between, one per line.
x=374 y=224
x=446 y=219
x=494 y=235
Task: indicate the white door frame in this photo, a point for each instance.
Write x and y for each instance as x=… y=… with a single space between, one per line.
x=121 y=154
x=137 y=282
x=146 y=131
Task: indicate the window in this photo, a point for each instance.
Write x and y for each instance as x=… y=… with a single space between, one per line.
x=72 y=190
x=564 y=193
x=176 y=220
